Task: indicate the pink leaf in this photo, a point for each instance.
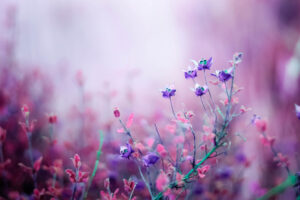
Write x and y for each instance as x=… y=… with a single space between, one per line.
x=129 y=121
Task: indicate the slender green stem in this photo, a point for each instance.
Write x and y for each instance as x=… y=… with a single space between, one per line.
x=289 y=182
x=95 y=166
x=54 y=179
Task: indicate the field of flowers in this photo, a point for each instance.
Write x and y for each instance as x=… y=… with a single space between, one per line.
x=221 y=130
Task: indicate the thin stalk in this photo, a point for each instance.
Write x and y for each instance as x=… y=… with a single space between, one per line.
x=172 y=108
x=75 y=185
x=131 y=194
x=126 y=129
x=54 y=179
x=147 y=185
x=203 y=104
x=210 y=96
x=95 y=166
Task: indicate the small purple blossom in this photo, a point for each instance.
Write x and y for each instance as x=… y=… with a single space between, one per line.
x=168 y=92
x=205 y=64
x=224 y=75
x=150 y=159
x=126 y=151
x=190 y=72
x=297 y=109
x=237 y=57
x=200 y=90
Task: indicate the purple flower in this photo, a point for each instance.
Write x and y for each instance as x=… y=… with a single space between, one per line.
x=126 y=151
x=224 y=75
x=200 y=90
x=297 y=108
x=190 y=73
x=168 y=92
x=150 y=159
x=237 y=57
x=205 y=64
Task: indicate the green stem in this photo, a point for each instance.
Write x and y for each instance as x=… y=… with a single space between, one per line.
x=95 y=166
x=289 y=182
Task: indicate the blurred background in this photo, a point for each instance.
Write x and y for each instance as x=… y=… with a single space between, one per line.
x=91 y=56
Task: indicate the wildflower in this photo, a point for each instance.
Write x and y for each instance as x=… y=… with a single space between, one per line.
x=112 y=196
x=76 y=161
x=162 y=181
x=282 y=160
x=168 y=92
x=161 y=150
x=126 y=151
x=205 y=64
x=2 y=135
x=190 y=73
x=116 y=112
x=129 y=185
x=25 y=111
x=267 y=140
x=237 y=57
x=28 y=128
x=150 y=159
x=224 y=75
x=52 y=119
x=77 y=176
x=32 y=170
x=261 y=125
x=243 y=109
x=189 y=114
x=200 y=90
x=203 y=170
x=297 y=108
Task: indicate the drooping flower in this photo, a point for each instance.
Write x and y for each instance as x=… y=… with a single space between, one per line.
x=126 y=151
x=191 y=72
x=162 y=181
x=168 y=92
x=150 y=159
x=116 y=112
x=80 y=178
x=203 y=170
x=205 y=64
x=200 y=90
x=224 y=75
x=297 y=109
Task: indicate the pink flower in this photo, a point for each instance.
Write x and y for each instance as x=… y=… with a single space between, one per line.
x=82 y=176
x=202 y=171
x=179 y=139
x=209 y=137
x=117 y=112
x=28 y=128
x=282 y=160
x=52 y=119
x=161 y=150
x=37 y=164
x=162 y=181
x=128 y=185
x=261 y=125
x=267 y=140
x=76 y=161
x=243 y=109
x=179 y=179
x=107 y=196
x=25 y=111
x=181 y=118
x=171 y=128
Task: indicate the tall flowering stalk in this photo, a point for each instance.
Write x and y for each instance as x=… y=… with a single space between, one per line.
x=219 y=134
x=99 y=152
